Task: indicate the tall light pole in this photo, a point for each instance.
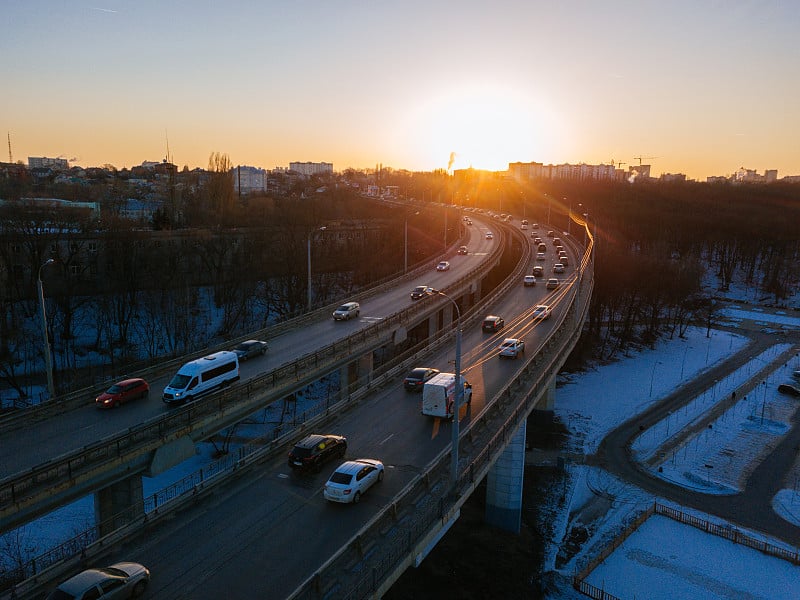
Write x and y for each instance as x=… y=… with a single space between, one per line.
x=569 y=215
x=309 y=266
x=459 y=392
x=48 y=359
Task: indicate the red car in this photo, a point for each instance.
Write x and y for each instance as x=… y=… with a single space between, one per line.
x=123 y=391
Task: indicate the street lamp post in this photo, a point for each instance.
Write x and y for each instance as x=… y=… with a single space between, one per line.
x=309 y=267
x=569 y=217
x=48 y=359
x=459 y=392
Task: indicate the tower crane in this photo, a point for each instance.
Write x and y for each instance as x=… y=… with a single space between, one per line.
x=639 y=158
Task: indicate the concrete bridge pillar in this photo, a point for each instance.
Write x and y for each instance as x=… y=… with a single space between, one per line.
x=504 y=485
x=118 y=504
x=549 y=398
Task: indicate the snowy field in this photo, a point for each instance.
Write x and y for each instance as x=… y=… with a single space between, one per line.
x=688 y=563
x=665 y=559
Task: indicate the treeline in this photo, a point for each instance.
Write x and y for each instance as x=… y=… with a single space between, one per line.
x=665 y=251
x=117 y=295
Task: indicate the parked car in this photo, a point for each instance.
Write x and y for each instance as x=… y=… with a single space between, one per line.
x=351 y=479
x=788 y=388
x=542 y=311
x=463 y=250
x=250 y=348
x=511 y=348
x=314 y=450
x=538 y=271
x=122 y=392
x=416 y=379
x=347 y=311
x=421 y=291
x=443 y=266
x=489 y=235
x=558 y=268
x=120 y=580
x=552 y=283
x=528 y=280
x=493 y=323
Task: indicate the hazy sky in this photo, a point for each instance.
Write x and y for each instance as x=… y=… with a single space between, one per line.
x=704 y=86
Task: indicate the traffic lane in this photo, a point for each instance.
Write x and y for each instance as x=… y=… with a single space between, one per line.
x=210 y=554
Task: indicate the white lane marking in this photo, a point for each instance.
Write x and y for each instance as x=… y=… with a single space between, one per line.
x=386 y=440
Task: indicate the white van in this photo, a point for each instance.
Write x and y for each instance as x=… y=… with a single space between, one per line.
x=202 y=376
x=438 y=395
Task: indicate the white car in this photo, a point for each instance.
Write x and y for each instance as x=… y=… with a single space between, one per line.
x=511 y=348
x=347 y=311
x=540 y=256
x=351 y=479
x=552 y=283
x=529 y=280
x=542 y=311
x=443 y=266
x=120 y=580
x=489 y=235
x=558 y=268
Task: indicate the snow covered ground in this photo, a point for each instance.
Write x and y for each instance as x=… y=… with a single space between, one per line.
x=663 y=558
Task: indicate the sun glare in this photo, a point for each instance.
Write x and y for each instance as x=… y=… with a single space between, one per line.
x=480 y=127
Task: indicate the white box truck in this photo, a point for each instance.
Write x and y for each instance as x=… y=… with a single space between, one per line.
x=438 y=395
x=202 y=376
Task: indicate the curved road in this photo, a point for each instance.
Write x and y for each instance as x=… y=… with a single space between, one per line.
x=750 y=508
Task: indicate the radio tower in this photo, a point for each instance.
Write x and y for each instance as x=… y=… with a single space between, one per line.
x=10 y=159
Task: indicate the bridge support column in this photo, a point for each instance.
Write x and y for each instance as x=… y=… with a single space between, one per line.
x=344 y=380
x=549 y=396
x=119 y=504
x=504 y=485
x=433 y=325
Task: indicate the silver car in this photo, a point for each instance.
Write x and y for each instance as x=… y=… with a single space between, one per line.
x=120 y=580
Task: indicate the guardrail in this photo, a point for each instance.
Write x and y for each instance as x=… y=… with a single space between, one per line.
x=37 y=483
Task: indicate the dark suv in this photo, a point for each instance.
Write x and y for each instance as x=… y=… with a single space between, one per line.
x=310 y=453
x=493 y=323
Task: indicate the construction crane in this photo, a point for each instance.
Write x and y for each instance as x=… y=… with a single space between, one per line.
x=617 y=164
x=639 y=158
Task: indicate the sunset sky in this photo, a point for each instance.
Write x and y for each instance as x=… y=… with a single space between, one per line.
x=702 y=86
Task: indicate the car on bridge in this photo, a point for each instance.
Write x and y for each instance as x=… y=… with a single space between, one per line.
x=489 y=235
x=528 y=280
x=416 y=379
x=122 y=392
x=463 y=250
x=552 y=283
x=493 y=323
x=443 y=266
x=538 y=271
x=421 y=291
x=542 y=311
x=511 y=348
x=250 y=348
x=351 y=479
x=120 y=580
x=347 y=311
x=558 y=268
x=314 y=450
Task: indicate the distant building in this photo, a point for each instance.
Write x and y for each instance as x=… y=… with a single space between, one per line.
x=249 y=180
x=582 y=172
x=672 y=177
x=42 y=162
x=311 y=168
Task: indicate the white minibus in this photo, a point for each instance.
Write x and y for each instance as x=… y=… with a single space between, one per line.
x=202 y=376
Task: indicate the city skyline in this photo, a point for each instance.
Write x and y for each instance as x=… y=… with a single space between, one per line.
x=701 y=90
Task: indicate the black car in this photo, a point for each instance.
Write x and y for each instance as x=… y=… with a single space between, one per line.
x=493 y=323
x=788 y=388
x=417 y=378
x=420 y=292
x=250 y=348
x=310 y=453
